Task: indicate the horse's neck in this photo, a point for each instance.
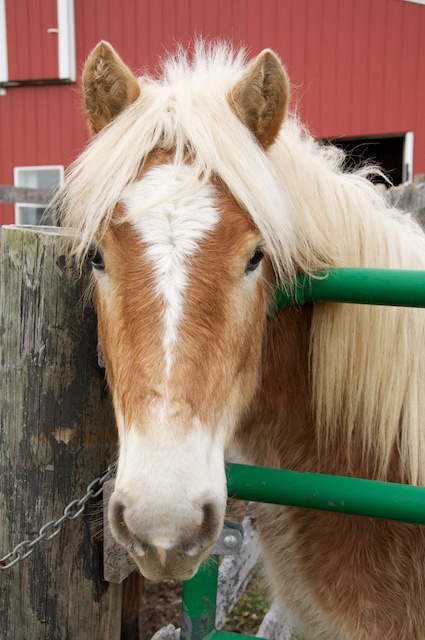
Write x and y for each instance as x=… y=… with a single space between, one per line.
x=279 y=429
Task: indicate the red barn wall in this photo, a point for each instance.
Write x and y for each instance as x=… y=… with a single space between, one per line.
x=32 y=51
x=357 y=67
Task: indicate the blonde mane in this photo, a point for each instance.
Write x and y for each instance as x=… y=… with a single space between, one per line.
x=366 y=361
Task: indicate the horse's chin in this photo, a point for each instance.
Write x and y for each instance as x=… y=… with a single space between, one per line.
x=178 y=566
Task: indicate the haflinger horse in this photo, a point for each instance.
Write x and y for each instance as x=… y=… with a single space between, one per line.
x=198 y=194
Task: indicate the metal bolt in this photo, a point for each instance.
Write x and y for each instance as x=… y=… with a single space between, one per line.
x=230 y=542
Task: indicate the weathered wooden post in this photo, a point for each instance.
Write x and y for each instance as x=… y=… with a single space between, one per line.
x=57 y=435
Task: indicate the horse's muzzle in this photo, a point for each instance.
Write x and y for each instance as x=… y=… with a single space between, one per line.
x=161 y=554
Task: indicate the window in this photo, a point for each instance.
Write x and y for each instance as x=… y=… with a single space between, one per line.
x=35 y=178
x=37 y=41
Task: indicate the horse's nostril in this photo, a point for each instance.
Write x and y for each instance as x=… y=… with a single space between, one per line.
x=212 y=521
x=116 y=517
x=208 y=530
x=119 y=528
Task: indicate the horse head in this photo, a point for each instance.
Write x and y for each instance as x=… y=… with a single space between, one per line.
x=182 y=278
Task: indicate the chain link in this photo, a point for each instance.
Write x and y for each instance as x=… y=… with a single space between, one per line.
x=51 y=529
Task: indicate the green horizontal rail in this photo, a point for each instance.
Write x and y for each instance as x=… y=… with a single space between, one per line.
x=340 y=494
x=394 y=287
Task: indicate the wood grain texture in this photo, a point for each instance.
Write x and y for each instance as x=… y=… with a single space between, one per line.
x=57 y=434
x=24 y=194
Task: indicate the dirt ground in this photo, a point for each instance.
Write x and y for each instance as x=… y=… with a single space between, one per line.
x=161 y=605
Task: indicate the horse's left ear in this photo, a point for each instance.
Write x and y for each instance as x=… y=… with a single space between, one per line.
x=260 y=98
x=108 y=86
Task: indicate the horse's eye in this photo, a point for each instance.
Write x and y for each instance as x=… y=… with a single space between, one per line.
x=254 y=260
x=96 y=259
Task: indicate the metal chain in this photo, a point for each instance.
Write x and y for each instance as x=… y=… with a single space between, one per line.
x=51 y=529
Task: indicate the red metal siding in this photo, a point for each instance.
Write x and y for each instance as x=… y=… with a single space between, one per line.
x=357 y=67
x=32 y=50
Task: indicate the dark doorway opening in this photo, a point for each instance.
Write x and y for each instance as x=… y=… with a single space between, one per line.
x=393 y=153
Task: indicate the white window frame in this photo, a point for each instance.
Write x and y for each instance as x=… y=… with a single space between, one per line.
x=65 y=28
x=66 y=44
x=416 y=1
x=408 y=157
x=17 y=172
x=4 y=69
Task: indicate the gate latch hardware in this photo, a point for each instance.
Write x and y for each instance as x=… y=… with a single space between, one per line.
x=230 y=541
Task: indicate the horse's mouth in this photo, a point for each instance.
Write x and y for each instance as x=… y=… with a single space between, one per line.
x=177 y=565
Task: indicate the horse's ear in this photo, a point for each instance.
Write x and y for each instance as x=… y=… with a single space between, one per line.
x=108 y=86
x=260 y=98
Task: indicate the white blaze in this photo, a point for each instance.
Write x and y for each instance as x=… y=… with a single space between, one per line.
x=172 y=225
x=174 y=466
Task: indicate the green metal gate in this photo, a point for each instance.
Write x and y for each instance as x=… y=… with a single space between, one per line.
x=310 y=490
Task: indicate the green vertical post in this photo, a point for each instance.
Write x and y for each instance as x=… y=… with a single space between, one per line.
x=199 y=602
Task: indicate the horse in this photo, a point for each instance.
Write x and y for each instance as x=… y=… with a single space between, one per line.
x=199 y=193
